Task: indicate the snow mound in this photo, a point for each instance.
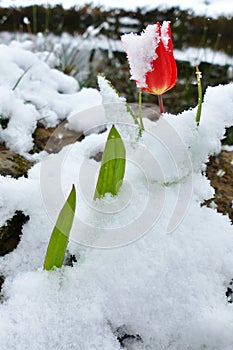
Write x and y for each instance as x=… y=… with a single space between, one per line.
x=153 y=264
x=30 y=92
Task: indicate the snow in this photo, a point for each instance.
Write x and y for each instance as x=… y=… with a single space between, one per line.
x=211 y=8
x=140 y=57
x=141 y=52
x=107 y=290
x=152 y=262
x=227 y=148
x=128 y=21
x=55 y=50
x=196 y=55
x=31 y=91
x=164 y=34
x=51 y=48
x=116 y=110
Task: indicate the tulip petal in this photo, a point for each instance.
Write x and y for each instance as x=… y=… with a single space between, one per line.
x=160 y=73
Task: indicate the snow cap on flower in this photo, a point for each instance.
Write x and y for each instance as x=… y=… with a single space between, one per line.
x=151 y=59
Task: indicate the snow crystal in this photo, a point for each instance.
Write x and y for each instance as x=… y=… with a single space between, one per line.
x=164 y=34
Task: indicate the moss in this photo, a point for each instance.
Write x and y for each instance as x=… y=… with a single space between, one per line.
x=13 y=164
x=229 y=136
x=21 y=165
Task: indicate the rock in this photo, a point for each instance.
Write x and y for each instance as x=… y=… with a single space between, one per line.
x=13 y=164
x=126 y=337
x=10 y=233
x=54 y=139
x=97 y=157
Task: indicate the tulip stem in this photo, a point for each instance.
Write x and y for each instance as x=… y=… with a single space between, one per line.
x=160 y=98
x=199 y=87
x=140 y=111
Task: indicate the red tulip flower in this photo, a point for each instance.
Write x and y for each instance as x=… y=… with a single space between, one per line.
x=151 y=59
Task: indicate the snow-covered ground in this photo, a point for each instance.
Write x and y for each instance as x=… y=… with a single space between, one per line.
x=212 y=8
x=152 y=264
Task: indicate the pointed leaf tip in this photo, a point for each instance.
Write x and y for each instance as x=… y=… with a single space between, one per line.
x=112 y=168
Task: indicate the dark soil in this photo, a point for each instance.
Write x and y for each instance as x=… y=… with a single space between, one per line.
x=1 y=283
x=10 y=233
x=220 y=172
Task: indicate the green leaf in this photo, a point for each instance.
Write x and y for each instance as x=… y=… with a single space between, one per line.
x=112 y=168
x=60 y=236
